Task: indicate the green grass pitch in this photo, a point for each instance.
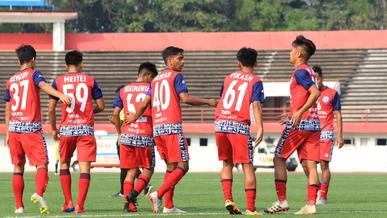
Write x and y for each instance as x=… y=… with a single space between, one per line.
x=351 y=195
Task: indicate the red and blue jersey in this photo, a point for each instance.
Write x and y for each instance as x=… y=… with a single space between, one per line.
x=77 y=118
x=139 y=133
x=328 y=102
x=166 y=109
x=239 y=90
x=23 y=93
x=302 y=79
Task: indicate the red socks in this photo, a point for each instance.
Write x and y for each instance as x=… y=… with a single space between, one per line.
x=142 y=182
x=227 y=189
x=128 y=187
x=280 y=187
x=41 y=181
x=168 y=197
x=18 y=188
x=83 y=188
x=171 y=181
x=250 y=199
x=324 y=186
x=312 y=194
x=65 y=181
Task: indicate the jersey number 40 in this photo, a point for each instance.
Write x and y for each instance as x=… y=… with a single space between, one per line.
x=162 y=95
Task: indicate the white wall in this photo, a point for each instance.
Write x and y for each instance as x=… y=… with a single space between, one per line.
x=351 y=158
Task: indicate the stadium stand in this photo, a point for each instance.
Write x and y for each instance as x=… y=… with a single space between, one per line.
x=357 y=70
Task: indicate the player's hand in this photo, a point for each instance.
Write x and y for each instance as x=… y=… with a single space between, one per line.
x=296 y=118
x=55 y=135
x=65 y=99
x=212 y=102
x=340 y=141
x=259 y=138
x=283 y=118
x=129 y=118
x=7 y=139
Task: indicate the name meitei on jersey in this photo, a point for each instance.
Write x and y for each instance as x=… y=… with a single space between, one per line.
x=78 y=117
x=22 y=93
x=139 y=133
x=302 y=79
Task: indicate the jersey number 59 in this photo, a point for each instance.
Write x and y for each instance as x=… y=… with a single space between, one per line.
x=81 y=95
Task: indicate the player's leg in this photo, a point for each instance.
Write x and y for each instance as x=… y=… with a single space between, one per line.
x=18 y=187
x=145 y=158
x=177 y=151
x=18 y=160
x=168 y=197
x=243 y=152
x=35 y=148
x=87 y=153
x=326 y=148
x=225 y=154
x=290 y=140
x=83 y=184
x=325 y=180
x=309 y=155
x=128 y=188
x=67 y=147
x=176 y=154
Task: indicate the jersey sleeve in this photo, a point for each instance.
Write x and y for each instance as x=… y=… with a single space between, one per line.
x=258 y=93
x=53 y=85
x=38 y=77
x=96 y=92
x=117 y=101
x=180 y=85
x=336 y=102
x=149 y=92
x=221 y=90
x=7 y=95
x=303 y=78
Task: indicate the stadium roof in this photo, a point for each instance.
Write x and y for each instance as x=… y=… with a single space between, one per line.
x=58 y=20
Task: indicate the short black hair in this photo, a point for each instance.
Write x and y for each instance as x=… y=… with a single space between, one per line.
x=171 y=51
x=247 y=56
x=317 y=69
x=307 y=44
x=25 y=53
x=74 y=58
x=119 y=88
x=148 y=66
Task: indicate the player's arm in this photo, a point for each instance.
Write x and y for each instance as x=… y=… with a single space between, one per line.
x=52 y=118
x=132 y=117
x=118 y=105
x=257 y=98
x=191 y=100
x=257 y=111
x=53 y=92
x=182 y=92
x=99 y=106
x=339 y=119
x=7 y=99
x=96 y=93
x=116 y=119
x=303 y=78
x=7 y=118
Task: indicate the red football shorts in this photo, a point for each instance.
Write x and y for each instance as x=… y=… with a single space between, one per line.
x=86 y=148
x=326 y=150
x=173 y=148
x=32 y=145
x=236 y=147
x=307 y=144
x=136 y=157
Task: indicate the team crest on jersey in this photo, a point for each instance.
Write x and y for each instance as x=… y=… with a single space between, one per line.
x=325 y=99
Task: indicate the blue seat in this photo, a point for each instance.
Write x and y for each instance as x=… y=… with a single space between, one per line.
x=26 y=3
